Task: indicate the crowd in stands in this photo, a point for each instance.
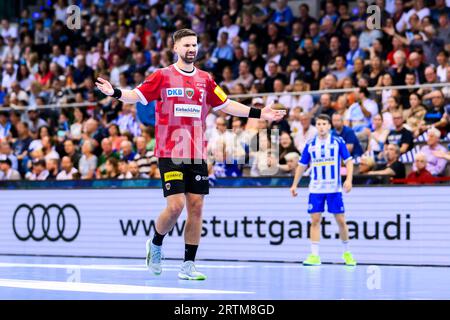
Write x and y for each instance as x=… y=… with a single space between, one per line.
x=249 y=47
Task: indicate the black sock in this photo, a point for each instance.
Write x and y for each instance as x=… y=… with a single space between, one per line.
x=190 y=251
x=158 y=239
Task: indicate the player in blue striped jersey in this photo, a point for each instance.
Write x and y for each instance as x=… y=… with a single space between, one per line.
x=324 y=154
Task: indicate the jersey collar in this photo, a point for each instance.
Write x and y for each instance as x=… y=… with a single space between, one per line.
x=185 y=73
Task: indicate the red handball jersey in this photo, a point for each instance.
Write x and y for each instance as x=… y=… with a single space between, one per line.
x=183 y=102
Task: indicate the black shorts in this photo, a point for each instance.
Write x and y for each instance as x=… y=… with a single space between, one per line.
x=183 y=176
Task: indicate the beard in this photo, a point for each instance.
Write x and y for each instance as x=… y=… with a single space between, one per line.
x=188 y=59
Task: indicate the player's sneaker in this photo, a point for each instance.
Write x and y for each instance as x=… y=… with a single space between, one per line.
x=153 y=257
x=189 y=272
x=312 y=260
x=348 y=259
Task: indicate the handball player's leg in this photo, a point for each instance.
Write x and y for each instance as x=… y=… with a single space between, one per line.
x=192 y=235
x=343 y=232
x=164 y=223
x=314 y=259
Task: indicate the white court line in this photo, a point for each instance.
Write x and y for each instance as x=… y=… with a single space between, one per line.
x=105 y=288
x=166 y=267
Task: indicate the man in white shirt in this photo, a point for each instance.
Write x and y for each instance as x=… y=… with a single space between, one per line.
x=8 y=30
x=361 y=112
x=38 y=172
x=280 y=95
x=228 y=27
x=67 y=171
x=8 y=77
x=305 y=133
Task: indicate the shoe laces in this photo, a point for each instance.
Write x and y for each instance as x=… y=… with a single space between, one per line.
x=156 y=255
x=189 y=266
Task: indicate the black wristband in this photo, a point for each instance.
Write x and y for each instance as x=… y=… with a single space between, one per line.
x=117 y=93
x=254 y=113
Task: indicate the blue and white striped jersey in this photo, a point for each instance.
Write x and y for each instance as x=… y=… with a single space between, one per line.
x=325 y=157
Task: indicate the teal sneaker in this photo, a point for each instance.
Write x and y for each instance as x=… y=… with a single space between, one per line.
x=312 y=260
x=153 y=257
x=348 y=259
x=189 y=272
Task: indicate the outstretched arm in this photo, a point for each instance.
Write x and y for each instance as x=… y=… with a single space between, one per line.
x=127 y=96
x=237 y=109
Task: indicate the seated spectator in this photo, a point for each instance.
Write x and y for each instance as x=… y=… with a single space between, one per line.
x=286 y=146
x=52 y=166
x=323 y=107
x=126 y=151
x=67 y=169
x=392 y=106
x=71 y=151
x=88 y=161
x=377 y=137
x=115 y=136
x=305 y=133
x=347 y=134
x=133 y=169
x=400 y=136
x=340 y=71
x=420 y=174
x=7 y=152
x=245 y=77
x=415 y=114
x=305 y=101
x=38 y=171
x=144 y=159
x=6 y=170
x=279 y=95
x=360 y=113
x=393 y=167
x=291 y=159
x=435 y=165
x=366 y=164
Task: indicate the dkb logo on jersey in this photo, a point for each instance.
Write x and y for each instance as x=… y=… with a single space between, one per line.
x=175 y=92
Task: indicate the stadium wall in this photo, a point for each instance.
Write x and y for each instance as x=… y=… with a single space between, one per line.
x=388 y=225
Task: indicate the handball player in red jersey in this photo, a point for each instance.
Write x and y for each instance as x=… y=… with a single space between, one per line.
x=184 y=97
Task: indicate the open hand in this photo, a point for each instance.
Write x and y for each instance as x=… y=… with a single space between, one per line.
x=267 y=113
x=104 y=86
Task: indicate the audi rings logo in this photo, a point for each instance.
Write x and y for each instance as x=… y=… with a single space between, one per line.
x=51 y=222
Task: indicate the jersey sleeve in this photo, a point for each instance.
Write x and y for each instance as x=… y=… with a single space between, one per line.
x=215 y=97
x=343 y=151
x=306 y=156
x=150 y=89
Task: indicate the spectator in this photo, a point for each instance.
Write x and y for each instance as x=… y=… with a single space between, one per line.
x=6 y=170
x=400 y=136
x=107 y=152
x=366 y=165
x=38 y=171
x=7 y=152
x=113 y=169
x=347 y=134
x=360 y=113
x=291 y=159
x=145 y=160
x=52 y=166
x=286 y=146
x=231 y=29
x=133 y=169
x=420 y=174
x=245 y=77
x=88 y=161
x=68 y=172
x=435 y=165
x=324 y=106
x=393 y=167
x=415 y=114
x=354 y=52
x=279 y=95
x=377 y=137
x=126 y=151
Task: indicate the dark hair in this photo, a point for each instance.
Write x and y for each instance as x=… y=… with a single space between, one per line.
x=324 y=117
x=364 y=91
x=182 y=33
